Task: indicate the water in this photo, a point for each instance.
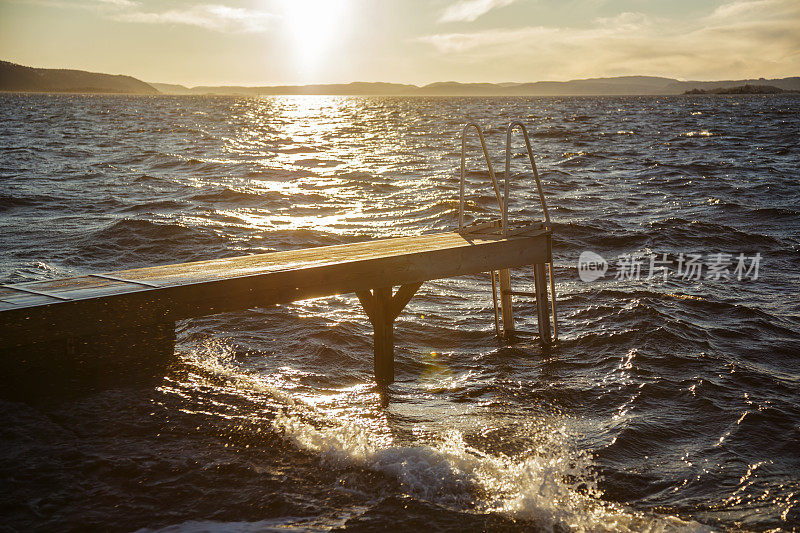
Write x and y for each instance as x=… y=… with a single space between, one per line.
x=667 y=405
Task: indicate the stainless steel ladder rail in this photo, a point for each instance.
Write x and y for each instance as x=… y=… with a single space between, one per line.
x=464 y=133
x=464 y=171
x=507 y=176
x=538 y=272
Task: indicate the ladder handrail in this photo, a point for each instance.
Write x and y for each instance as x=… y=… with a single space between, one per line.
x=464 y=171
x=503 y=203
x=507 y=177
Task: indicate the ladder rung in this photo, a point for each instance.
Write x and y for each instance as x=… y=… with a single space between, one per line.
x=520 y=293
x=525 y=333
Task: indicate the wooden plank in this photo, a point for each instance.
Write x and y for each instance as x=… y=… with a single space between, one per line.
x=483 y=227
x=20 y=299
x=5 y=306
x=220 y=269
x=26 y=291
x=68 y=288
x=113 y=278
x=207 y=287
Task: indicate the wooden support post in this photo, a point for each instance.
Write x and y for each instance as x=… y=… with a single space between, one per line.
x=540 y=284
x=383 y=327
x=505 y=303
x=382 y=309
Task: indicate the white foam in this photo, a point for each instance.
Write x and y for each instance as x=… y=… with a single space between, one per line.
x=542 y=486
x=551 y=483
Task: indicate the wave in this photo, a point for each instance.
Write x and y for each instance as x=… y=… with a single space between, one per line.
x=683 y=232
x=9 y=202
x=143 y=242
x=556 y=133
x=551 y=485
x=150 y=207
x=318 y=163
x=226 y=196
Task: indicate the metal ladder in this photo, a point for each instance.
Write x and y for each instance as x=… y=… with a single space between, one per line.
x=501 y=225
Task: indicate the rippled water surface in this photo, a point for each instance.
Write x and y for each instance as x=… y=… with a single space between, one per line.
x=666 y=405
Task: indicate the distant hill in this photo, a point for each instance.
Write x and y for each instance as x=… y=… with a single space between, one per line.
x=619 y=86
x=170 y=88
x=354 y=88
x=787 y=84
x=18 y=78
x=625 y=85
x=15 y=77
x=742 y=89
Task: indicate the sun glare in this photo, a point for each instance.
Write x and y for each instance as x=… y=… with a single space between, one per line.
x=313 y=26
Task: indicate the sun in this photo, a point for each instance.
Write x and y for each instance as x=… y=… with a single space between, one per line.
x=313 y=26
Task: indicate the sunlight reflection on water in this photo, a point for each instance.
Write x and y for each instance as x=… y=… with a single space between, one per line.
x=666 y=397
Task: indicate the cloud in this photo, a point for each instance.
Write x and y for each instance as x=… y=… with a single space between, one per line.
x=531 y=38
x=469 y=10
x=215 y=17
x=741 y=38
x=92 y=5
x=753 y=8
x=209 y=16
x=119 y=3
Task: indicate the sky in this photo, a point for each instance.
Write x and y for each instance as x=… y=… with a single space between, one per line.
x=281 y=42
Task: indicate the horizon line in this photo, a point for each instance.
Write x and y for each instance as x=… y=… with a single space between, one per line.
x=254 y=85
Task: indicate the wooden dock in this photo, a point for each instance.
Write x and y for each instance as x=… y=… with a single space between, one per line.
x=87 y=328
x=62 y=317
